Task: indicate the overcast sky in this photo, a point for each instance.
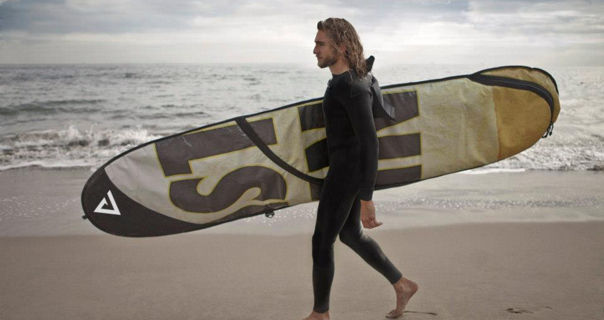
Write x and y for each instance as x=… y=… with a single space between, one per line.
x=488 y=32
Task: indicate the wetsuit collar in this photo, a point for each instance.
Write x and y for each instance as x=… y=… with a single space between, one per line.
x=340 y=74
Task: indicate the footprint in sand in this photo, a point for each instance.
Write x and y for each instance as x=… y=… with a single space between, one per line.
x=421 y=312
x=517 y=310
x=520 y=310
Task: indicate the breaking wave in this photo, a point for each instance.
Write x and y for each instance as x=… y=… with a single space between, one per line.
x=71 y=147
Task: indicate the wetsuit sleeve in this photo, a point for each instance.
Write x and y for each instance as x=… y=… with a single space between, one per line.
x=358 y=108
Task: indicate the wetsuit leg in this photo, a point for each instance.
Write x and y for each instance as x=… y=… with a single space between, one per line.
x=352 y=235
x=337 y=198
x=339 y=214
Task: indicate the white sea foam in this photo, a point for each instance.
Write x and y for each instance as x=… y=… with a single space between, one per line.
x=486 y=170
x=70 y=147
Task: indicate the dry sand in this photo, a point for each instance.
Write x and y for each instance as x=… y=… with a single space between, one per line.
x=479 y=271
x=258 y=269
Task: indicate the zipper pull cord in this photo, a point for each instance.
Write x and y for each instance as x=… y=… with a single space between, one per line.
x=549 y=130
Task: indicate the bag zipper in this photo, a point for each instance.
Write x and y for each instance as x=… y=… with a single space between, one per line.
x=519 y=84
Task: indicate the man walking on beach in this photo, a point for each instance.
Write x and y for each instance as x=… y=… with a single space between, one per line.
x=352 y=146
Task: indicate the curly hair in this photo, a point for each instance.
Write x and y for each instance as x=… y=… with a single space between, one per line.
x=341 y=32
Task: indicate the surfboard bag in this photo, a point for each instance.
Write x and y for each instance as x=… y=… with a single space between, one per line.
x=255 y=164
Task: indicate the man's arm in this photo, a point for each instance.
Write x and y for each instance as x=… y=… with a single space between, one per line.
x=358 y=107
x=359 y=111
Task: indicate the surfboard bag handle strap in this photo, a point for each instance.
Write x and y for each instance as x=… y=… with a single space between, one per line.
x=369 y=63
x=249 y=131
x=379 y=108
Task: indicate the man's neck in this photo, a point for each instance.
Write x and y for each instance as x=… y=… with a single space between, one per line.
x=339 y=67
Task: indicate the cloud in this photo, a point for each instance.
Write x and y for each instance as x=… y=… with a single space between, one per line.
x=501 y=32
x=115 y=16
x=281 y=30
x=58 y=16
x=543 y=18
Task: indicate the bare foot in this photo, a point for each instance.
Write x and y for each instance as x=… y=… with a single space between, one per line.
x=318 y=316
x=405 y=289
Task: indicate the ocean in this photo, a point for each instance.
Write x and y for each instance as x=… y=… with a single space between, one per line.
x=58 y=123
x=82 y=115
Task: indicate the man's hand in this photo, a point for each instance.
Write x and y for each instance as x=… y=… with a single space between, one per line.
x=368 y=215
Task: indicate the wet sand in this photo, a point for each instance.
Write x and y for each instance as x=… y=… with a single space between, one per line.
x=46 y=202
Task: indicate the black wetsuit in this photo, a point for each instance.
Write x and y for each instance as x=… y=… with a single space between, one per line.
x=353 y=150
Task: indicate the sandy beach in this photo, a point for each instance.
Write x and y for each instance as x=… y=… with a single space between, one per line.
x=82 y=82
x=488 y=271
x=57 y=266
